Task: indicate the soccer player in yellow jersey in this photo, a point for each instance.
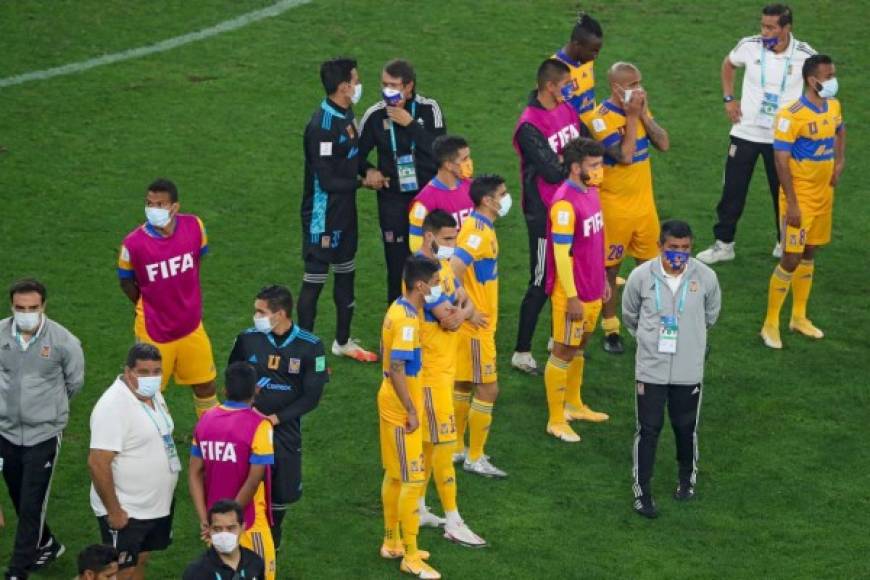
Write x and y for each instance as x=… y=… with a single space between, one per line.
x=475 y=264
x=442 y=317
x=400 y=402
x=810 y=152
x=576 y=282
x=624 y=125
x=579 y=54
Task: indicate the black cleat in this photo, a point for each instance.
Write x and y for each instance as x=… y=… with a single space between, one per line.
x=646 y=506
x=47 y=554
x=613 y=344
x=684 y=492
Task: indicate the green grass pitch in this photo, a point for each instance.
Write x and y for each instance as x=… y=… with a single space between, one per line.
x=783 y=472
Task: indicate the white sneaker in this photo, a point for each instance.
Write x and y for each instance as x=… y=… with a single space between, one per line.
x=428 y=519
x=525 y=362
x=354 y=350
x=777 y=251
x=483 y=468
x=718 y=252
x=457 y=531
x=460 y=457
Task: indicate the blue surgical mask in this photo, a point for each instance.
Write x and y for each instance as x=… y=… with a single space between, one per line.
x=159 y=217
x=677 y=259
x=828 y=88
x=769 y=42
x=148 y=386
x=392 y=96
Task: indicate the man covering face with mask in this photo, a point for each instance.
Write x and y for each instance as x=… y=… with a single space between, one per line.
x=43 y=369
x=668 y=304
x=543 y=130
x=625 y=126
x=225 y=559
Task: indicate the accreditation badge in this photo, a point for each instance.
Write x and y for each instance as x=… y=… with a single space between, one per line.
x=407 y=173
x=768 y=110
x=668 y=335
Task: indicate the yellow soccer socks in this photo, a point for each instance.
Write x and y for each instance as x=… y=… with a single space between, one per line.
x=780 y=281
x=574 y=384
x=201 y=405
x=390 y=490
x=461 y=407
x=445 y=475
x=479 y=420
x=409 y=517
x=555 y=380
x=801 y=284
x=610 y=325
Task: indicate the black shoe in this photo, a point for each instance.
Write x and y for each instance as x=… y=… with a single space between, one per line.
x=646 y=506
x=684 y=492
x=613 y=344
x=47 y=554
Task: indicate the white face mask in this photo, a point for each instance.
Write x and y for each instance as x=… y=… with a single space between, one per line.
x=148 y=386
x=506 y=203
x=157 y=216
x=445 y=252
x=224 y=542
x=829 y=88
x=626 y=94
x=26 y=321
x=433 y=295
x=357 y=93
x=263 y=324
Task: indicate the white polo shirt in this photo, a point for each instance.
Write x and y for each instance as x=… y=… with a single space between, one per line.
x=790 y=62
x=143 y=481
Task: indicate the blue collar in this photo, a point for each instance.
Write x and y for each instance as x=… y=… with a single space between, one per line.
x=808 y=104
x=575 y=186
x=608 y=104
x=235 y=405
x=562 y=56
x=403 y=302
x=481 y=217
x=332 y=108
x=294 y=332
x=152 y=231
x=443 y=186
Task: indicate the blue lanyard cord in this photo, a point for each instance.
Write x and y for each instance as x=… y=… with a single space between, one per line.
x=154 y=421
x=681 y=304
x=784 y=72
x=393 y=131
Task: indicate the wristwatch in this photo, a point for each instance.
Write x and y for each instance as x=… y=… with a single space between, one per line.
x=727 y=98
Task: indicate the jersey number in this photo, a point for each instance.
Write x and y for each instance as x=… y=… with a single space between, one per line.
x=615 y=252
x=274 y=362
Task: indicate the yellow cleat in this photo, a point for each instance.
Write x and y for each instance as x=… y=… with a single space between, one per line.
x=770 y=336
x=563 y=431
x=805 y=327
x=584 y=413
x=417 y=567
x=395 y=550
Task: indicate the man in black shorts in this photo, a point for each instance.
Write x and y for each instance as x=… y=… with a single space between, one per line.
x=333 y=172
x=291 y=373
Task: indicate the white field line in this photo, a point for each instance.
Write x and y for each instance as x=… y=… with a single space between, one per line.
x=168 y=44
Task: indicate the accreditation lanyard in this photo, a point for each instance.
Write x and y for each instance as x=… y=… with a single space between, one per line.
x=681 y=303
x=393 y=131
x=784 y=72
x=168 y=443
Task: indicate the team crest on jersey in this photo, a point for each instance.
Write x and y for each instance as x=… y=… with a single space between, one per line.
x=813 y=127
x=293 y=366
x=45 y=352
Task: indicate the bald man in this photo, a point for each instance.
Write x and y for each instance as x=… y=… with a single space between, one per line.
x=624 y=125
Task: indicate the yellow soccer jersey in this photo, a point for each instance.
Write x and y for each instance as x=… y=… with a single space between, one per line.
x=562 y=220
x=439 y=345
x=583 y=93
x=627 y=190
x=808 y=134
x=477 y=247
x=400 y=341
